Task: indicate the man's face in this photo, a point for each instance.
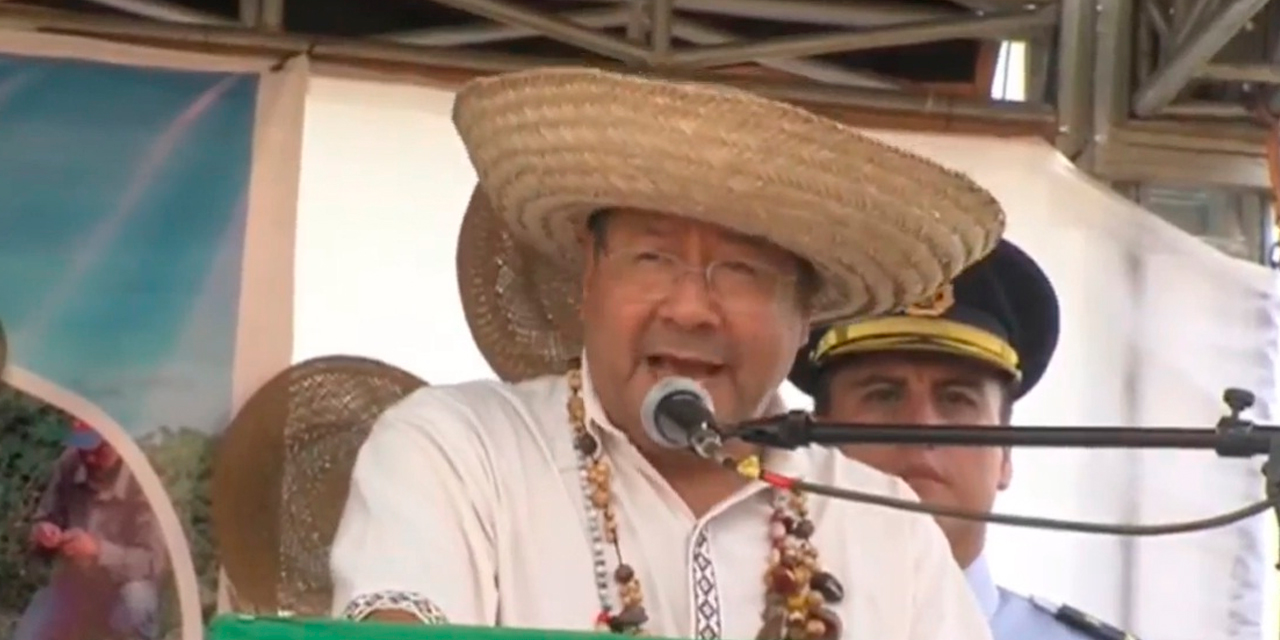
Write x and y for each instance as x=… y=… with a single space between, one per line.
x=929 y=390
x=100 y=458
x=650 y=311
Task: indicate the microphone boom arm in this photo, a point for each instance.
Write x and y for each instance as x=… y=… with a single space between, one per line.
x=1232 y=437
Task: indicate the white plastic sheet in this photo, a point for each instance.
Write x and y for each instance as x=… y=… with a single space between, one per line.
x=1156 y=325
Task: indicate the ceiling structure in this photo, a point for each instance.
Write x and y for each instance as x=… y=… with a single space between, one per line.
x=1167 y=99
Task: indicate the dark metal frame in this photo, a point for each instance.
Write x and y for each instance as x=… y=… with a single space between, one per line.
x=1116 y=113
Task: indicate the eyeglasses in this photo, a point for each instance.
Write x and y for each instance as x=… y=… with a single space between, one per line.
x=734 y=282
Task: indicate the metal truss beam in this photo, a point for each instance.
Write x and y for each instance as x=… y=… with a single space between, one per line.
x=694 y=31
x=659 y=54
x=688 y=29
x=597 y=18
x=1110 y=95
x=1076 y=33
x=891 y=23
x=1201 y=44
x=1177 y=152
x=555 y=28
x=162 y=10
x=374 y=57
x=1123 y=162
x=660 y=15
x=864 y=13
x=993 y=26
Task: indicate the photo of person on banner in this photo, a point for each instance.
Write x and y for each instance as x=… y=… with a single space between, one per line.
x=132 y=261
x=108 y=553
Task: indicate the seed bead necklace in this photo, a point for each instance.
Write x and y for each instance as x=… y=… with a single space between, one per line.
x=797 y=590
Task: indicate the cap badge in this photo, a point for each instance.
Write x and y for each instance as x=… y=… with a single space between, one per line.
x=939 y=303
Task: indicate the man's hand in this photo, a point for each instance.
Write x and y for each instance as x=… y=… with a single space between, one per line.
x=46 y=535
x=79 y=546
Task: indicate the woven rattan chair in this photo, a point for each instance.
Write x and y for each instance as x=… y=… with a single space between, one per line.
x=282 y=474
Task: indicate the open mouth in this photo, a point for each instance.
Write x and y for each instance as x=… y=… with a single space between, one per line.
x=669 y=365
x=922 y=479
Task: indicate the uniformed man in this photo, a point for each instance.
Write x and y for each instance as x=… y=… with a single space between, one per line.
x=963 y=358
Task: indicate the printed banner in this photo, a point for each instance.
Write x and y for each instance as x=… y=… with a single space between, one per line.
x=143 y=295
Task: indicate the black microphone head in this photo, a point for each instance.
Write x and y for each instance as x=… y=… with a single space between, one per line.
x=654 y=411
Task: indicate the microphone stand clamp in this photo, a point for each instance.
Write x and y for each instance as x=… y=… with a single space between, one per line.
x=789 y=431
x=1238 y=401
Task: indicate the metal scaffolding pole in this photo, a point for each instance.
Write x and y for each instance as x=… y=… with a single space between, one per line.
x=819 y=44
x=1190 y=19
x=1040 y=115
x=1183 y=161
x=554 y=28
x=272 y=16
x=353 y=52
x=373 y=57
x=1112 y=61
x=250 y=12
x=1075 y=76
x=1163 y=85
x=698 y=33
x=865 y=13
x=162 y=10
x=1260 y=72
x=660 y=28
x=597 y=18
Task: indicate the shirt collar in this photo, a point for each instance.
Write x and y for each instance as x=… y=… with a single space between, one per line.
x=597 y=421
x=114 y=488
x=978 y=575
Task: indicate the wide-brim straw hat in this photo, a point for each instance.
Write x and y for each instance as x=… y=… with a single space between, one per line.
x=282 y=475
x=883 y=227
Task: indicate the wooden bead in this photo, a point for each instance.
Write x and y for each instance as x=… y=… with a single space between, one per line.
x=775 y=557
x=775 y=627
x=814 y=600
x=782 y=580
x=631 y=617
x=804 y=529
x=815 y=628
x=828 y=586
x=834 y=627
x=624 y=573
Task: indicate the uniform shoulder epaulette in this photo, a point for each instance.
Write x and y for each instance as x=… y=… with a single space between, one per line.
x=1081 y=621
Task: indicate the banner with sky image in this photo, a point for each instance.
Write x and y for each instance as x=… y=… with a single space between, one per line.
x=147 y=203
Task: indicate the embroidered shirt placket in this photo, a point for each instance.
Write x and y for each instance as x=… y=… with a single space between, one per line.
x=707 y=621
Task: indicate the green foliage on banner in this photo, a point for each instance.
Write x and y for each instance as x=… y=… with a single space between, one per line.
x=31 y=435
x=183 y=458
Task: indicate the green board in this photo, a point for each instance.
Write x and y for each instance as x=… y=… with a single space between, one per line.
x=235 y=627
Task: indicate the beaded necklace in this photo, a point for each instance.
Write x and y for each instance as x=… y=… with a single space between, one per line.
x=797 y=590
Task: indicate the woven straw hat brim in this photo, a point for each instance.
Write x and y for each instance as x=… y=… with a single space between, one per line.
x=282 y=473
x=883 y=227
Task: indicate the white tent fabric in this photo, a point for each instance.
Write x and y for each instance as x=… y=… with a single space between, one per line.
x=1156 y=325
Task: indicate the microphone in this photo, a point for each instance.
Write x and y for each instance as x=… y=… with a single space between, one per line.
x=677 y=413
